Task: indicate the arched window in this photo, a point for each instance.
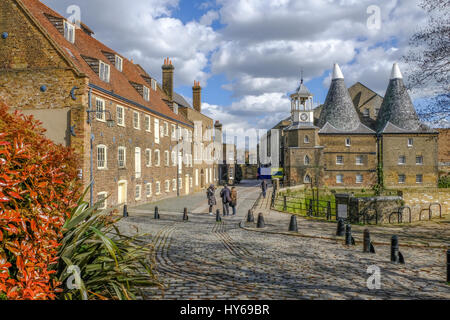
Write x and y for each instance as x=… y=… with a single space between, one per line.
x=306 y=139
x=307 y=179
x=307 y=160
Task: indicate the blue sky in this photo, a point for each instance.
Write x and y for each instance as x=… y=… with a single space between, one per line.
x=248 y=54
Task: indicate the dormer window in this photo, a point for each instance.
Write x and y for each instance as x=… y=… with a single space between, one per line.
x=119 y=63
x=366 y=113
x=146 y=93
x=154 y=84
x=103 y=71
x=69 y=31
x=175 y=108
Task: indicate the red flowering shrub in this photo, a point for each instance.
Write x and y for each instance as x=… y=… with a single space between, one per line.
x=38 y=187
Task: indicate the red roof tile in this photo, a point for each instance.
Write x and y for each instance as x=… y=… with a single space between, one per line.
x=88 y=46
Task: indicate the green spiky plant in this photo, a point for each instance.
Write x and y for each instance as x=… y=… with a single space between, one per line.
x=111 y=266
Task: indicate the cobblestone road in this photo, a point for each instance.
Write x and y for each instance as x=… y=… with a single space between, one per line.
x=202 y=259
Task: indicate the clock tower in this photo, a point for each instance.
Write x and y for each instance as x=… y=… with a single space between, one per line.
x=302 y=106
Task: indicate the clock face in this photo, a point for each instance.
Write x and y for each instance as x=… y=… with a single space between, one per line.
x=304 y=117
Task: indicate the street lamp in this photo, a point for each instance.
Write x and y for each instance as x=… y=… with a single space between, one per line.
x=110 y=123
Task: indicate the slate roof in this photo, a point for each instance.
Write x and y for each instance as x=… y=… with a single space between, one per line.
x=392 y=128
x=299 y=126
x=86 y=45
x=302 y=90
x=338 y=108
x=360 y=129
x=397 y=107
x=181 y=101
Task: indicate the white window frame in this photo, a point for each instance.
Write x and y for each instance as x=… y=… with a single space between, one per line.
x=361 y=180
x=400 y=180
x=100 y=114
x=191 y=182
x=410 y=142
x=157 y=158
x=124 y=157
x=136 y=188
x=421 y=178
x=120 y=120
x=148 y=123
x=167 y=186
x=158 y=188
x=105 y=166
x=166 y=158
x=307 y=160
x=157 y=130
x=340 y=162
x=175 y=108
x=307 y=179
x=148 y=158
x=105 y=201
x=421 y=160
x=339 y=178
x=174 y=135
x=154 y=84
x=196 y=177
x=104 y=74
x=119 y=63
x=148 y=190
x=146 y=93
x=359 y=160
x=174 y=158
x=402 y=160
x=137 y=162
x=69 y=31
x=174 y=184
x=348 y=142
x=138 y=127
x=166 y=129
x=306 y=139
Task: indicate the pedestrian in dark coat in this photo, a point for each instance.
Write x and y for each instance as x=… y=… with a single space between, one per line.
x=233 y=200
x=225 y=194
x=210 y=194
x=264 y=188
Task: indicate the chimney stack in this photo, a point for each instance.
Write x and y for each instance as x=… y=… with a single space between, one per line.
x=197 y=96
x=167 y=78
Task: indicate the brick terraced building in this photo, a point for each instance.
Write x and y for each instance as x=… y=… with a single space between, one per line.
x=359 y=140
x=58 y=72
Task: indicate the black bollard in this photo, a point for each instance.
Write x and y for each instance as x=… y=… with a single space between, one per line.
x=218 y=218
x=448 y=265
x=250 y=217
x=125 y=211
x=340 y=227
x=329 y=210
x=185 y=215
x=349 y=241
x=284 y=203
x=156 y=213
x=261 y=223
x=394 y=250
x=366 y=241
x=293 y=225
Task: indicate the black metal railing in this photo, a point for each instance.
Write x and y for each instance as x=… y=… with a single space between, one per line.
x=305 y=205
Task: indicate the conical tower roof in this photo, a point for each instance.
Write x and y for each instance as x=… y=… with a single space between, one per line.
x=338 y=109
x=397 y=107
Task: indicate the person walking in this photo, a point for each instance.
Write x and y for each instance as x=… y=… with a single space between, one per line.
x=225 y=194
x=210 y=194
x=234 y=200
x=264 y=188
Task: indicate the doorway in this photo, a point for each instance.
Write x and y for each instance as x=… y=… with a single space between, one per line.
x=122 y=193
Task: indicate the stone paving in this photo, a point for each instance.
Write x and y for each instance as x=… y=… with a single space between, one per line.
x=202 y=259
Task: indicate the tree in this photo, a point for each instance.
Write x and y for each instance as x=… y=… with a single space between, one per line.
x=38 y=189
x=429 y=59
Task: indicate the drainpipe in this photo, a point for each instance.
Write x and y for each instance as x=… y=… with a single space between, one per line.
x=91 y=186
x=178 y=134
